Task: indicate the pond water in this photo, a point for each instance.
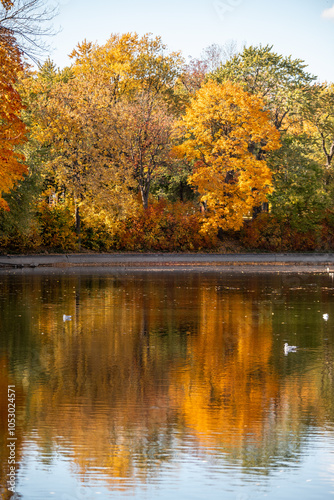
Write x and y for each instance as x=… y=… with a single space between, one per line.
x=167 y=385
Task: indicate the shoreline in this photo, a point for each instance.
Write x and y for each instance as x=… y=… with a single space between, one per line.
x=256 y=263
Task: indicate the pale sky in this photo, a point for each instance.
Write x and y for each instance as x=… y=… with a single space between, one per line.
x=303 y=29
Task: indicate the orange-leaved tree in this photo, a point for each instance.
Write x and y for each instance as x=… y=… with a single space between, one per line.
x=138 y=75
x=142 y=130
x=12 y=129
x=226 y=133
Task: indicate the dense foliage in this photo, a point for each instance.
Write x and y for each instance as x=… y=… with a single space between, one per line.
x=130 y=148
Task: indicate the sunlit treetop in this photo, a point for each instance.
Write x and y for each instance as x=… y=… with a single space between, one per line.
x=279 y=80
x=128 y=63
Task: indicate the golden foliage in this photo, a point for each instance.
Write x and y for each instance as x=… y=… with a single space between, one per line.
x=227 y=134
x=72 y=120
x=104 y=130
x=128 y=64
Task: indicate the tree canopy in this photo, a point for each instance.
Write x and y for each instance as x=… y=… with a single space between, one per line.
x=223 y=128
x=129 y=139
x=278 y=80
x=12 y=128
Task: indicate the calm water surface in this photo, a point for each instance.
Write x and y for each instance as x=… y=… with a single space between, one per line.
x=168 y=385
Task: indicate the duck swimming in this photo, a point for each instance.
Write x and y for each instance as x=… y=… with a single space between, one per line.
x=289 y=348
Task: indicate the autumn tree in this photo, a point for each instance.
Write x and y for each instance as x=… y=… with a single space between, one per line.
x=101 y=128
x=128 y=64
x=142 y=131
x=12 y=129
x=193 y=75
x=318 y=115
x=74 y=130
x=283 y=84
x=111 y=123
x=19 y=224
x=224 y=128
x=22 y=24
x=280 y=81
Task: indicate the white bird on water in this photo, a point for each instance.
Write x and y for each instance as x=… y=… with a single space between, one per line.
x=325 y=316
x=66 y=318
x=289 y=348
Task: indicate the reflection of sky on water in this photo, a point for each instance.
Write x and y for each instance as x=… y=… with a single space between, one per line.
x=186 y=477
x=170 y=386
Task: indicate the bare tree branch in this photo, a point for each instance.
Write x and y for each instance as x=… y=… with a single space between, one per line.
x=29 y=22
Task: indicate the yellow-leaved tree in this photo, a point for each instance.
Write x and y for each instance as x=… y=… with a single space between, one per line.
x=227 y=134
x=71 y=120
x=127 y=64
x=106 y=123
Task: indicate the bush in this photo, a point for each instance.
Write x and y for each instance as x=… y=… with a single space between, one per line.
x=164 y=226
x=17 y=241
x=19 y=231
x=97 y=236
x=267 y=232
x=327 y=231
x=57 y=228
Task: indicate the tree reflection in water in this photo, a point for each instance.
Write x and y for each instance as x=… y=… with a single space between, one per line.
x=152 y=364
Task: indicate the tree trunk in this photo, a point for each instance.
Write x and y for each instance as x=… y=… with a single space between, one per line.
x=78 y=225
x=144 y=196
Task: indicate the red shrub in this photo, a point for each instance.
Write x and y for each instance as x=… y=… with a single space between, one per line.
x=164 y=226
x=267 y=232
